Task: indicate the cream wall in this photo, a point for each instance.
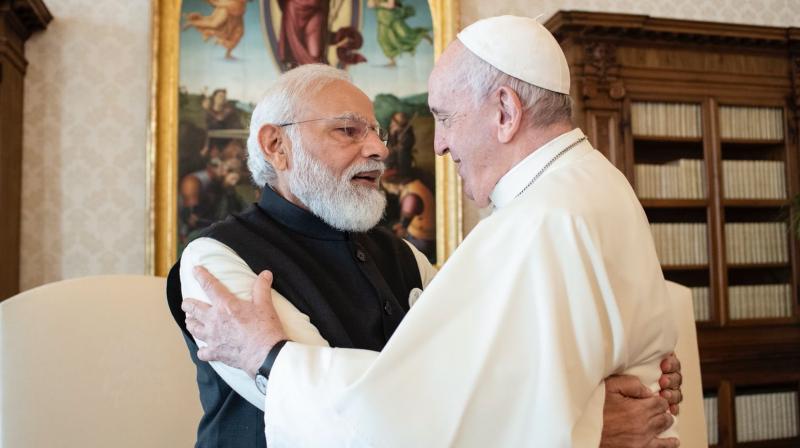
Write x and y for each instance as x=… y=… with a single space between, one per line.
x=83 y=169
x=86 y=93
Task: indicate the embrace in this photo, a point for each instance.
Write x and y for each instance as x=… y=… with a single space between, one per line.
x=550 y=325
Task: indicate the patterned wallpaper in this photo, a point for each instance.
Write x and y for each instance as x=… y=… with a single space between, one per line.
x=83 y=201
x=84 y=207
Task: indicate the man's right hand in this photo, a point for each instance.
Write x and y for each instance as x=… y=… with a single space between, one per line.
x=633 y=416
x=236 y=332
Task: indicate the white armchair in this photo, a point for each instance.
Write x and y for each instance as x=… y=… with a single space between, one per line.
x=691 y=421
x=95 y=362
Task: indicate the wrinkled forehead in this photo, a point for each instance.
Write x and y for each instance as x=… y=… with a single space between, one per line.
x=442 y=85
x=338 y=99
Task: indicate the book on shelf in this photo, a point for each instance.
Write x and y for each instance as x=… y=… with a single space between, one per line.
x=753 y=179
x=710 y=411
x=760 y=301
x=756 y=242
x=666 y=119
x=679 y=179
x=681 y=243
x=751 y=123
x=701 y=303
x=766 y=416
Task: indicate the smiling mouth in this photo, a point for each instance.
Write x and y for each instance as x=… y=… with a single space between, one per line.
x=367 y=178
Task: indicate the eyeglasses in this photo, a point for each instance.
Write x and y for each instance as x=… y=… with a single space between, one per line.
x=354 y=129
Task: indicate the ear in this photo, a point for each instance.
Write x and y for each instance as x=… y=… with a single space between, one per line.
x=510 y=114
x=273 y=142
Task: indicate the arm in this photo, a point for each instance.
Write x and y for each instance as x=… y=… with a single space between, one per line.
x=237 y=277
x=356 y=395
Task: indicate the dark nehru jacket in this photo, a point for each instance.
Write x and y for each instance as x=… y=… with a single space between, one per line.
x=353 y=286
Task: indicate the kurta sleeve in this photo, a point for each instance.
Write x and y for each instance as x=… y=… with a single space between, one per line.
x=235 y=274
x=426 y=269
x=508 y=346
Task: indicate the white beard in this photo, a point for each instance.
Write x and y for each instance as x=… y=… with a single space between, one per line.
x=336 y=201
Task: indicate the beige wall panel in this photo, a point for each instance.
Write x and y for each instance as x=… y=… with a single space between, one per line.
x=83 y=186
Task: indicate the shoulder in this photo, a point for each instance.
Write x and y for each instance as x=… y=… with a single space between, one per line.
x=211 y=254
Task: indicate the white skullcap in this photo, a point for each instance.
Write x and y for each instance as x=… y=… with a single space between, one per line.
x=520 y=47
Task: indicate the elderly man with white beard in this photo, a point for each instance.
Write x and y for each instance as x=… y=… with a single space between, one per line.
x=317 y=151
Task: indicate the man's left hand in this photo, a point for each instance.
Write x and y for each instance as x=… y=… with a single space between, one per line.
x=670 y=382
x=633 y=416
x=236 y=332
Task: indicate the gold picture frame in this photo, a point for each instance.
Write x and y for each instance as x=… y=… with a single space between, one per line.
x=162 y=148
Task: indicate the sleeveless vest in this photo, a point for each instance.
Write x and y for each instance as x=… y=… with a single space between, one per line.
x=353 y=286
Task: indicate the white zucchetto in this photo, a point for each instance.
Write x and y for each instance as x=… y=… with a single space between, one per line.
x=520 y=47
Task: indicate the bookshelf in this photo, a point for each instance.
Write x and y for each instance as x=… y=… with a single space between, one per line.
x=703 y=120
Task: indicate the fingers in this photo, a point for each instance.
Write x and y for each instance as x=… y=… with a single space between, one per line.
x=671 y=364
x=262 y=288
x=653 y=407
x=660 y=422
x=627 y=385
x=216 y=291
x=196 y=328
x=664 y=443
x=674 y=409
x=670 y=381
x=205 y=354
x=194 y=308
x=673 y=397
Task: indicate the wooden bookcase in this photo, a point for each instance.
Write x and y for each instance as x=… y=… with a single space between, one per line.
x=620 y=62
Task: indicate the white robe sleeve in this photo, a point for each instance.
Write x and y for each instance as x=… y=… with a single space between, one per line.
x=222 y=262
x=508 y=353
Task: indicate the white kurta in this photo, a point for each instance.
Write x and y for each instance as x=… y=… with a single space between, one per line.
x=509 y=345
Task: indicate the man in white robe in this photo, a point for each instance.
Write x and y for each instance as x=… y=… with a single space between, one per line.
x=509 y=345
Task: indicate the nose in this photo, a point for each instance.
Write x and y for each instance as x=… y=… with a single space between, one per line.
x=440 y=146
x=374 y=148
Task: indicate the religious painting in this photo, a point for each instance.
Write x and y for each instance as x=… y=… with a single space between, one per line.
x=229 y=51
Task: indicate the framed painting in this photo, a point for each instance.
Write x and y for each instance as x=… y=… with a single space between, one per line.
x=212 y=59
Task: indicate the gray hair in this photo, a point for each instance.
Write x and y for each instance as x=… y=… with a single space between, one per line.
x=543 y=107
x=280 y=104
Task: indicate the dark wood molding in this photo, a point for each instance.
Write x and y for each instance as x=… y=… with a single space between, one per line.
x=30 y=15
x=593 y=25
x=18 y=20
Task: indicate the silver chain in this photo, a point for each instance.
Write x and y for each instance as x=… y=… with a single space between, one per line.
x=547 y=165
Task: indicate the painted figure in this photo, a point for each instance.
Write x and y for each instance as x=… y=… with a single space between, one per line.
x=395 y=36
x=225 y=23
x=306 y=33
x=413 y=188
x=304 y=26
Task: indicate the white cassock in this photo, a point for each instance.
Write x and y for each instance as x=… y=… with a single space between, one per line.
x=509 y=345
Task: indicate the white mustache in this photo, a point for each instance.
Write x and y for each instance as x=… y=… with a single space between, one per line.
x=370 y=165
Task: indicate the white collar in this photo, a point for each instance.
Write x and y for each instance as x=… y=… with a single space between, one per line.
x=517 y=178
